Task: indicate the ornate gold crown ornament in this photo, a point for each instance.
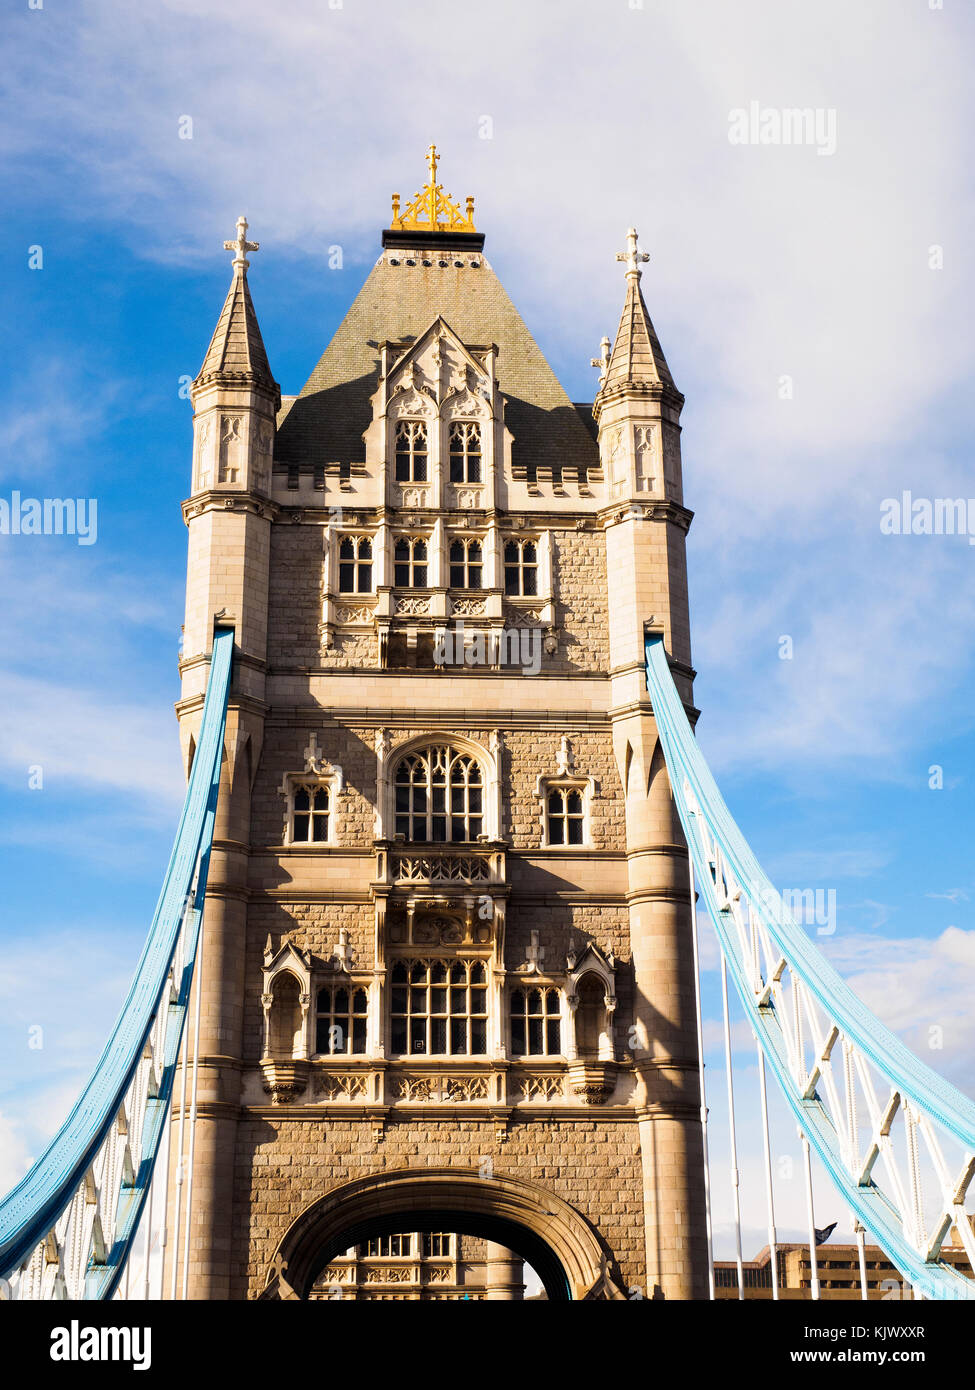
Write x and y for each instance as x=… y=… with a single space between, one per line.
x=432 y=210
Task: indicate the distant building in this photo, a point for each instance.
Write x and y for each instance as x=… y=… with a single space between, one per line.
x=838 y=1268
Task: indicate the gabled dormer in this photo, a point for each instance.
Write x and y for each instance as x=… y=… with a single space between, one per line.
x=437 y=438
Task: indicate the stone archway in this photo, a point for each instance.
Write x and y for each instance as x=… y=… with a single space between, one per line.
x=552 y=1236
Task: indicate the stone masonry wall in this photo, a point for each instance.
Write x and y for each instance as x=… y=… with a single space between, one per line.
x=284 y=1165
x=294 y=604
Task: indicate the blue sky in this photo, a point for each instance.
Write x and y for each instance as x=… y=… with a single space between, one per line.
x=767 y=262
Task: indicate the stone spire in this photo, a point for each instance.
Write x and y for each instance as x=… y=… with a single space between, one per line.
x=236 y=354
x=637 y=360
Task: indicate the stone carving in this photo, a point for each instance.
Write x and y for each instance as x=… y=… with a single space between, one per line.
x=362 y=614
x=522 y=617
x=343 y=1086
x=544 y=1087
x=446 y=867
x=412 y=401
x=467 y=607
x=435 y=1088
x=534 y=957
x=464 y=1088
x=416 y=1088
x=389 y=1275
x=412 y=607
x=413 y=497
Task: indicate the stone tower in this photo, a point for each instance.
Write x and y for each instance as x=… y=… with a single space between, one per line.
x=447 y=974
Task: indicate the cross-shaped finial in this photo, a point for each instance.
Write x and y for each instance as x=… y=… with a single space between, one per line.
x=602 y=361
x=432 y=162
x=241 y=245
x=632 y=255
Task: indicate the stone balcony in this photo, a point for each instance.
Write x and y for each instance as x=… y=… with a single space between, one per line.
x=401 y=865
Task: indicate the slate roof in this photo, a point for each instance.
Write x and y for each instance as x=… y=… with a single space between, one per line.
x=399 y=302
x=237 y=349
x=637 y=356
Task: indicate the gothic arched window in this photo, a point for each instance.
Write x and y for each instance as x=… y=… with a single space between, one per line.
x=355 y=565
x=590 y=1015
x=521 y=569
x=565 y=816
x=465 y=564
x=439 y=796
x=410 y=562
x=284 y=1037
x=465 y=453
x=411 y=451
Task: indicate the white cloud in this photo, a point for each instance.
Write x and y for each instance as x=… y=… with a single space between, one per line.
x=921 y=989
x=76 y=736
x=60 y=408
x=15 y=1152
x=871 y=678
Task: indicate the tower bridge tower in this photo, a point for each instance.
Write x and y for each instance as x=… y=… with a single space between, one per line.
x=447 y=978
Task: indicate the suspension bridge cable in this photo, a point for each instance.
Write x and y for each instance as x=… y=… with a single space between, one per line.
x=700 y=1062
x=729 y=1072
x=198 y=986
x=769 y=1194
x=813 y=1263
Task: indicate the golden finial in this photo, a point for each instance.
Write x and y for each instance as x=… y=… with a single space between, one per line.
x=432 y=210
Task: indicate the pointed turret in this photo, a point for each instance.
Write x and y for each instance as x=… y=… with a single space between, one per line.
x=637 y=361
x=235 y=397
x=235 y=403
x=637 y=406
x=637 y=409
x=637 y=358
x=236 y=353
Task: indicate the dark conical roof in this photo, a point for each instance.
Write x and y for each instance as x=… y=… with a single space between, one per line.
x=398 y=302
x=237 y=349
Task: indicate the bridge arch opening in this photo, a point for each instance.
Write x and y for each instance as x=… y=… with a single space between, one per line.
x=547 y=1233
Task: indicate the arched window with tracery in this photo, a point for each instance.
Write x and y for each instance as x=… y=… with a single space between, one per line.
x=411 y=451
x=521 y=568
x=439 y=796
x=310 y=807
x=355 y=565
x=410 y=562
x=465 y=453
x=466 y=563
